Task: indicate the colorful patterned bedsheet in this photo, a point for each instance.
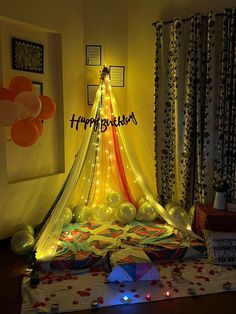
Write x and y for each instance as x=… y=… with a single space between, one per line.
x=82 y=245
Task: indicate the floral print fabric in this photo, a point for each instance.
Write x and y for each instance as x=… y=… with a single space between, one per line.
x=195 y=122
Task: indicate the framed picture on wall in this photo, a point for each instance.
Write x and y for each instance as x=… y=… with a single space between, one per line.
x=93 y=55
x=27 y=56
x=91 y=93
x=38 y=88
x=117 y=75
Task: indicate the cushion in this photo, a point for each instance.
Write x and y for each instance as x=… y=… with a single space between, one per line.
x=221 y=247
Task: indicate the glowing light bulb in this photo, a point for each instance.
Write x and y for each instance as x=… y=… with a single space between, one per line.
x=139 y=178
x=125 y=299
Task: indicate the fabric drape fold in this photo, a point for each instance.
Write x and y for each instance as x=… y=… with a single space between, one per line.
x=194 y=105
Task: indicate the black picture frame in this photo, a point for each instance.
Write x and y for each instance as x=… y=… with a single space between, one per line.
x=117 y=75
x=91 y=94
x=93 y=55
x=38 y=88
x=27 y=56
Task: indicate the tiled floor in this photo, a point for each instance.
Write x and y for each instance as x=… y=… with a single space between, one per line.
x=12 y=267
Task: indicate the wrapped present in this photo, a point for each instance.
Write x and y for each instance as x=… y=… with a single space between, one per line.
x=132 y=264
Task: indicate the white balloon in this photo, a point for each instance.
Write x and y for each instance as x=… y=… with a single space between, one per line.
x=82 y=214
x=103 y=213
x=113 y=199
x=146 y=212
x=141 y=201
x=126 y=212
x=31 y=102
x=67 y=216
x=178 y=213
x=25 y=227
x=22 y=242
x=171 y=204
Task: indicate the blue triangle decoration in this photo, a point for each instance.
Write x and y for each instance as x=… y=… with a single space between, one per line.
x=130 y=269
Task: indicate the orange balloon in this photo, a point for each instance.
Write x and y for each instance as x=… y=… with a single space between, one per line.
x=20 y=84
x=24 y=133
x=48 y=108
x=6 y=94
x=39 y=125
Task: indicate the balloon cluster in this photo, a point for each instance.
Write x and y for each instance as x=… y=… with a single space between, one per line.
x=23 y=111
x=146 y=212
x=22 y=241
x=177 y=211
x=114 y=209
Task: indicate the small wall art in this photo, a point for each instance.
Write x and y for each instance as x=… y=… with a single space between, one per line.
x=38 y=88
x=93 y=55
x=27 y=56
x=91 y=93
x=117 y=75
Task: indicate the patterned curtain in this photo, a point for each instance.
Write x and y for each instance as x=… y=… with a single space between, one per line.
x=195 y=99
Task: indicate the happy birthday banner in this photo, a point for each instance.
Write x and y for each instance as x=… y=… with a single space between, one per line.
x=102 y=124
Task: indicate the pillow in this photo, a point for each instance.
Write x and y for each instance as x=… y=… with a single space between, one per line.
x=221 y=247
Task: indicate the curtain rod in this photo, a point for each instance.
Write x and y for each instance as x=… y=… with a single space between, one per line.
x=186 y=19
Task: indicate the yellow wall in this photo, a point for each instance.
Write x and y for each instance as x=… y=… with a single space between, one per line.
x=31 y=199
x=105 y=24
x=124 y=30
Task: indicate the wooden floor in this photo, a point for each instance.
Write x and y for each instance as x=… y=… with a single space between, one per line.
x=12 y=268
